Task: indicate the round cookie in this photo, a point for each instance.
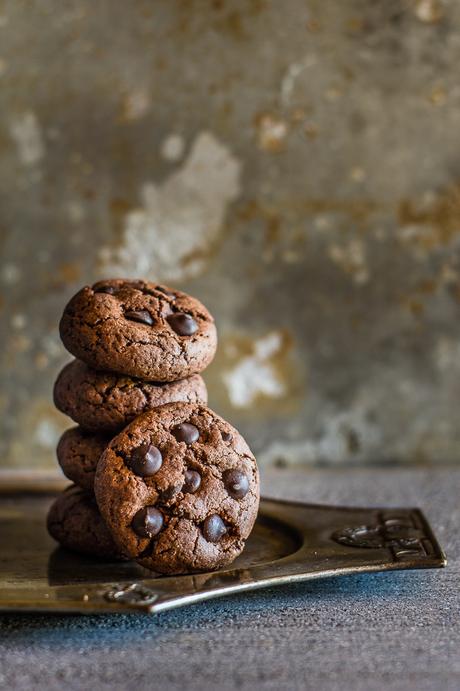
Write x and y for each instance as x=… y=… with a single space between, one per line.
x=140 y=329
x=179 y=489
x=78 y=453
x=103 y=401
x=75 y=522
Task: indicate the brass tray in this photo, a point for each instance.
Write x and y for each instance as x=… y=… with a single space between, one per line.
x=291 y=542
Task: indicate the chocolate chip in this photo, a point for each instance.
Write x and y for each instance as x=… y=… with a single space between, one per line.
x=214 y=528
x=146 y=460
x=169 y=493
x=165 y=291
x=166 y=310
x=183 y=324
x=147 y=522
x=141 y=316
x=236 y=483
x=110 y=290
x=192 y=481
x=185 y=432
x=226 y=436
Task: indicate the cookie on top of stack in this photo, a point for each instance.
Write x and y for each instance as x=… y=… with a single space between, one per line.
x=159 y=477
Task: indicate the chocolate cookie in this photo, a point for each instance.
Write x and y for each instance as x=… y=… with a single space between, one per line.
x=75 y=522
x=179 y=489
x=140 y=329
x=78 y=453
x=102 y=401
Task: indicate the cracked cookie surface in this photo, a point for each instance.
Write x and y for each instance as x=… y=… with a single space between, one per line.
x=107 y=402
x=78 y=452
x=139 y=328
x=179 y=489
x=75 y=522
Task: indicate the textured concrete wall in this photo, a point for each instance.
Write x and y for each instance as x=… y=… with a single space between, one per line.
x=295 y=164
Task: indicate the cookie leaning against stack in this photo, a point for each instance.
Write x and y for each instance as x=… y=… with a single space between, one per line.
x=178 y=488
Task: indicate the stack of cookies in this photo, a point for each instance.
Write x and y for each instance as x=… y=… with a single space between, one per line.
x=158 y=477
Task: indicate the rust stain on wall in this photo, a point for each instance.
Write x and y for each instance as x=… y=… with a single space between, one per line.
x=258 y=374
x=357 y=210
x=271 y=132
x=441 y=217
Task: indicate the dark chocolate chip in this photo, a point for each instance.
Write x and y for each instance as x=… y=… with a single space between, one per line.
x=141 y=316
x=166 y=310
x=110 y=290
x=192 y=481
x=163 y=290
x=147 y=522
x=185 y=432
x=226 y=436
x=169 y=493
x=236 y=483
x=146 y=460
x=214 y=528
x=183 y=324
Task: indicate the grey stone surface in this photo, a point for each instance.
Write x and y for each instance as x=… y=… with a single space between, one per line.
x=295 y=164
x=397 y=631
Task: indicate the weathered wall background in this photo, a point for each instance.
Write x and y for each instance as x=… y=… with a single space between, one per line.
x=295 y=164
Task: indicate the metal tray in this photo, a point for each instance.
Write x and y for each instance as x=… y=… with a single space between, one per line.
x=290 y=542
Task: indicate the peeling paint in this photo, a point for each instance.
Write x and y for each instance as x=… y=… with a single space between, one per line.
x=46 y=434
x=271 y=132
x=256 y=374
x=351 y=257
x=18 y=321
x=431 y=222
x=44 y=425
x=10 y=274
x=26 y=132
x=345 y=436
x=76 y=211
x=135 y=105
x=52 y=346
x=290 y=77
x=429 y=11
x=173 y=147
x=169 y=236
